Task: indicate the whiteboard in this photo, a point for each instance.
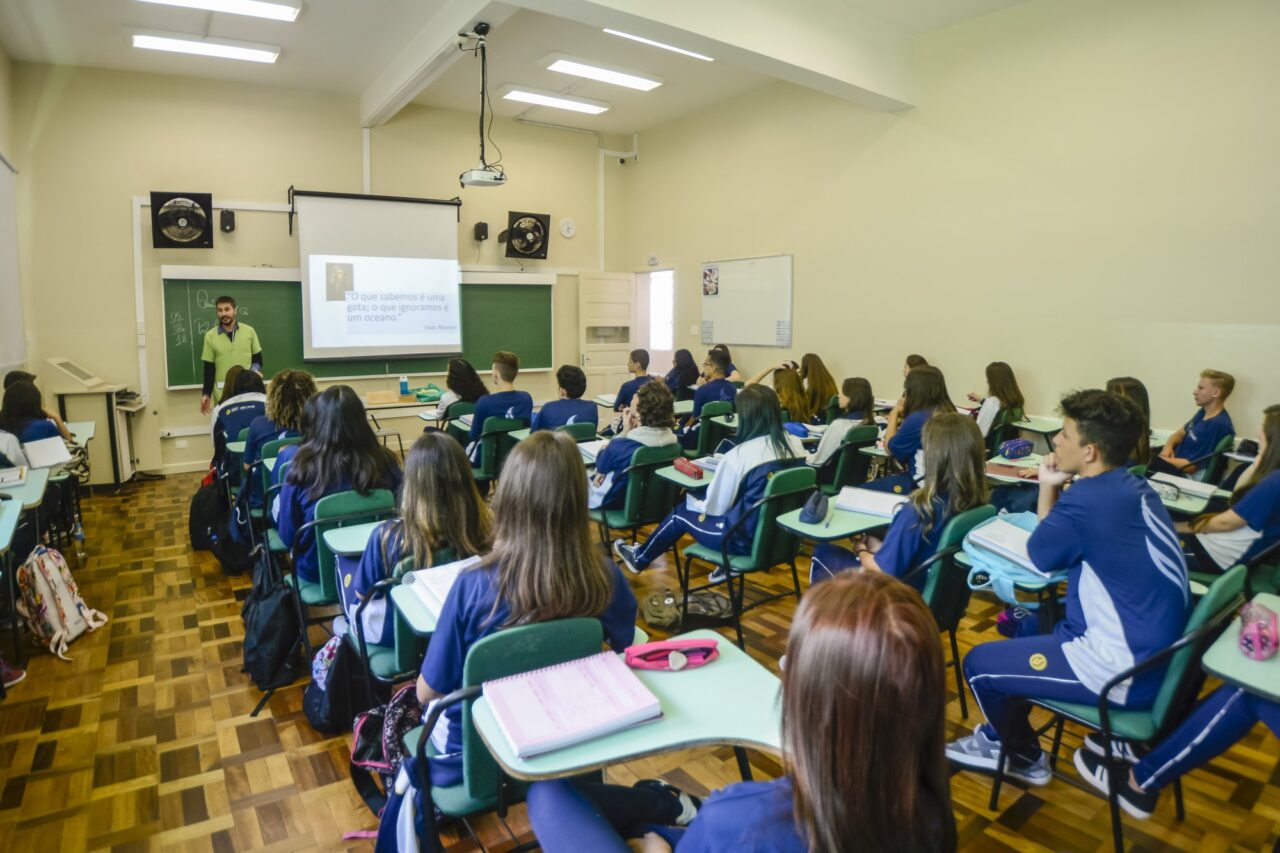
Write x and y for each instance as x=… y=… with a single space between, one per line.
x=747 y=301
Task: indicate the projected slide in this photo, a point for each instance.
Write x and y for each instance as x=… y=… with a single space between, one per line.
x=384 y=302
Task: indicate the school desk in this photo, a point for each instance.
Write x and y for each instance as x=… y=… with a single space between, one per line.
x=1029 y=461
x=270 y=463
x=694 y=703
x=1225 y=660
x=350 y=541
x=684 y=481
x=1044 y=425
x=1046 y=592
x=236 y=447
x=10 y=515
x=839 y=524
x=30 y=493
x=420 y=620
x=684 y=407
x=1189 y=504
x=519 y=434
x=872 y=450
x=1239 y=457
x=82 y=431
x=605 y=400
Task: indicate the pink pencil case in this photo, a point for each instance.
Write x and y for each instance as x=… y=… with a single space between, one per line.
x=1259 y=638
x=672 y=654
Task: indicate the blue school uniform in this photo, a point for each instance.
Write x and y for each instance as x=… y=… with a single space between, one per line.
x=516 y=405
x=234 y=415
x=469 y=615
x=297 y=508
x=261 y=430
x=627 y=391
x=615 y=459
x=747 y=816
x=359 y=574
x=1201 y=436
x=38 y=429
x=907 y=442
x=904 y=547
x=557 y=413
x=1260 y=509
x=716 y=389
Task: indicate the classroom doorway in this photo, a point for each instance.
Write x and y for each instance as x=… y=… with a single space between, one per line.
x=656 y=326
x=607 y=328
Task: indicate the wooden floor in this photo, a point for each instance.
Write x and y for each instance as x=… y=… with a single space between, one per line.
x=143 y=741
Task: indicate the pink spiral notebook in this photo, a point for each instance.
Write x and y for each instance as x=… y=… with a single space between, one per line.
x=569 y=703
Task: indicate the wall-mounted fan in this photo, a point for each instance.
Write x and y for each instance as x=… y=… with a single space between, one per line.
x=182 y=220
x=527 y=234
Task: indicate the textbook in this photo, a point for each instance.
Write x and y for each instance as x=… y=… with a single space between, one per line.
x=869 y=502
x=1005 y=540
x=1187 y=486
x=432 y=585
x=591 y=449
x=609 y=400
x=559 y=706
x=708 y=463
x=13 y=476
x=47 y=452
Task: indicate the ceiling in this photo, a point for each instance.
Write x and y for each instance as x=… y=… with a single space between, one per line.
x=343 y=46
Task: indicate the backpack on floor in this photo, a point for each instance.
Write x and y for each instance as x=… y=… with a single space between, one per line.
x=236 y=556
x=377 y=745
x=208 y=506
x=272 y=632
x=339 y=688
x=50 y=602
x=662 y=610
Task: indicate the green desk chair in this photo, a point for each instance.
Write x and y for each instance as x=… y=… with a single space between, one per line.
x=457 y=410
x=852 y=466
x=231 y=476
x=772 y=544
x=708 y=434
x=1210 y=467
x=260 y=518
x=584 y=431
x=739 y=384
x=1182 y=681
x=1262 y=572
x=495 y=443
x=946 y=587
x=484 y=787
x=832 y=411
x=1138 y=471
x=1002 y=429
x=648 y=498
x=276 y=549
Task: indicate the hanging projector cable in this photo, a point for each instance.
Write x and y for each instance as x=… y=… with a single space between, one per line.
x=486 y=174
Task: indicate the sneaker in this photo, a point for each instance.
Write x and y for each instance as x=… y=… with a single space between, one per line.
x=627 y=554
x=10 y=674
x=689 y=804
x=1120 y=749
x=718 y=575
x=978 y=751
x=1093 y=769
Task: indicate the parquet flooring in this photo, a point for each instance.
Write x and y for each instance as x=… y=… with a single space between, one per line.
x=143 y=741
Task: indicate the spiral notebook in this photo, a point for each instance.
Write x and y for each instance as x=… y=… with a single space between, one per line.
x=431 y=586
x=558 y=706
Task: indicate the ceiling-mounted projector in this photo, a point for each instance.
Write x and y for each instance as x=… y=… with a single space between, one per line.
x=482 y=176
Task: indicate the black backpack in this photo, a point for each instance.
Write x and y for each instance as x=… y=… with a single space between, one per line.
x=236 y=556
x=272 y=633
x=333 y=708
x=208 y=507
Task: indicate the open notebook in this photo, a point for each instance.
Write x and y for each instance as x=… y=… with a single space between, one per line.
x=1005 y=540
x=432 y=585
x=569 y=703
x=46 y=453
x=1186 y=485
x=591 y=449
x=869 y=502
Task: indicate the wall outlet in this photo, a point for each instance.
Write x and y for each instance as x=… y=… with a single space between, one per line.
x=181 y=444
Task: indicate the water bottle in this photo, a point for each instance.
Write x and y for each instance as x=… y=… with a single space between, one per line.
x=78 y=535
x=404 y=386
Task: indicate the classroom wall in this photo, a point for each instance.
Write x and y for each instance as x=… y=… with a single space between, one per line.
x=6 y=73
x=89 y=140
x=1086 y=189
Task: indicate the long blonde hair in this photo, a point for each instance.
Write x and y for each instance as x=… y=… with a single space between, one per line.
x=954 y=466
x=790 y=390
x=819 y=384
x=548 y=564
x=440 y=506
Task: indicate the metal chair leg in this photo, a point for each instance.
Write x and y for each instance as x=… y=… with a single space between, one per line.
x=955 y=664
x=1057 y=742
x=995 y=785
x=735 y=601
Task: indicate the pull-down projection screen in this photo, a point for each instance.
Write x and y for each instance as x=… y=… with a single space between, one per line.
x=379 y=278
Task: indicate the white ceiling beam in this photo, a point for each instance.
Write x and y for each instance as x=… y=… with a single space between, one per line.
x=427 y=55
x=818 y=44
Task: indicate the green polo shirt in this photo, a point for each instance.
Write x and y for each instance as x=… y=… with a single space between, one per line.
x=224 y=350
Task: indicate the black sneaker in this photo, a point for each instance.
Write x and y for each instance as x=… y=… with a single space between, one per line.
x=689 y=804
x=1093 y=769
x=1120 y=749
x=627 y=554
x=718 y=575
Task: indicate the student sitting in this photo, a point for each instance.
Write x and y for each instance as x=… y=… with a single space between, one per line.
x=286 y=454
x=730 y=371
x=11 y=455
x=790 y=391
x=955 y=481
x=1223 y=717
x=856 y=404
x=1133 y=389
x=245 y=402
x=638 y=367
x=441 y=515
x=646 y=423
x=1188 y=448
x=341 y=454
x=1251 y=523
x=462 y=384
x=925 y=393
x=570 y=408
x=1003 y=403
x=544 y=565
x=912 y=362
x=506 y=402
x=863 y=711
x=682 y=375
x=22 y=413
x=23 y=376
x=715 y=387
x=763 y=448
x=289 y=392
x=819 y=384
x=1127 y=592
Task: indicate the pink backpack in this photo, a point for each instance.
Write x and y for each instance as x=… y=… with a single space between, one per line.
x=50 y=602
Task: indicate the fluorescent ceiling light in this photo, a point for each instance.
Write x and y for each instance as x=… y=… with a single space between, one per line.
x=276 y=11
x=603 y=73
x=550 y=99
x=653 y=43
x=220 y=48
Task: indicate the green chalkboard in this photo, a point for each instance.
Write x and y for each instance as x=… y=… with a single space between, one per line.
x=514 y=317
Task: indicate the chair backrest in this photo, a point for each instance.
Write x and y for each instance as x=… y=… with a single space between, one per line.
x=1138 y=471
x=648 y=497
x=786 y=490
x=459 y=408
x=833 y=409
x=244 y=435
x=495 y=443
x=1212 y=469
x=271 y=450
x=346 y=509
x=709 y=434
x=509 y=652
x=585 y=431
x=1183 y=678
x=851 y=464
x=946 y=590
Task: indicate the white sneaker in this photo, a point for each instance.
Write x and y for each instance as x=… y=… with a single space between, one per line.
x=980 y=752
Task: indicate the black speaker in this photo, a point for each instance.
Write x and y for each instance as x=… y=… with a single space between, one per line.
x=482 y=231
x=227 y=221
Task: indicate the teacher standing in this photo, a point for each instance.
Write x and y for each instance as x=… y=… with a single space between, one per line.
x=230 y=342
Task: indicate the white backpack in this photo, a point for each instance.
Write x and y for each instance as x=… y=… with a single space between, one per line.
x=50 y=602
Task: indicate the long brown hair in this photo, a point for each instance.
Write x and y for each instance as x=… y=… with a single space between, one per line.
x=790 y=391
x=857 y=391
x=548 y=564
x=1133 y=389
x=1269 y=460
x=341 y=448
x=1002 y=385
x=925 y=388
x=819 y=384
x=440 y=505
x=954 y=466
x=863 y=709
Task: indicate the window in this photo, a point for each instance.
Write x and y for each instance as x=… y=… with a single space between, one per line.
x=662 y=310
